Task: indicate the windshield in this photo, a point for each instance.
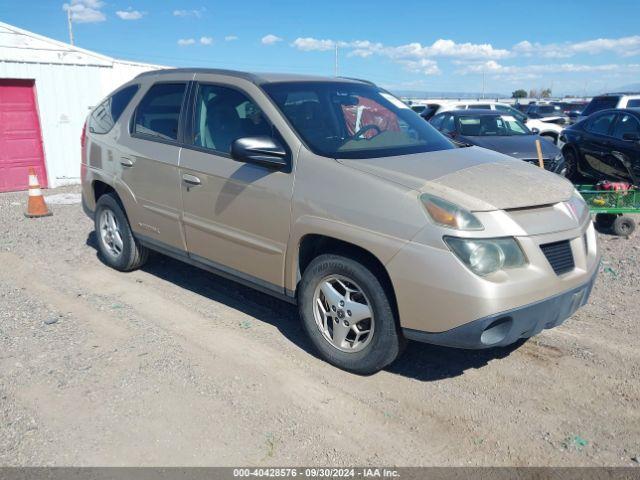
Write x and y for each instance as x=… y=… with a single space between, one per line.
x=549 y=110
x=351 y=120
x=491 y=126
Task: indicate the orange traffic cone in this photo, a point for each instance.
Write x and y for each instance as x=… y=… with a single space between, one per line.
x=36 y=206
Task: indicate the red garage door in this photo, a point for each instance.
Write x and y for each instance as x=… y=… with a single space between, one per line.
x=20 y=139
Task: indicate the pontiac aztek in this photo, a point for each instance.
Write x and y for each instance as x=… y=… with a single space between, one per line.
x=333 y=194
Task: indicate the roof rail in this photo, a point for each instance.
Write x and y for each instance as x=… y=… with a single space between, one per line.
x=219 y=71
x=368 y=82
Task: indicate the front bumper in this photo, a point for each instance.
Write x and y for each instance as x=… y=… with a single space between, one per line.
x=507 y=327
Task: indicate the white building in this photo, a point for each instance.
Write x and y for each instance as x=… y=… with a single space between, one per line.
x=46 y=90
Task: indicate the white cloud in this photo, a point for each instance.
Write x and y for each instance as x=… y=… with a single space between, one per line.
x=308 y=44
x=624 y=46
x=493 y=67
x=206 y=40
x=270 y=39
x=197 y=13
x=230 y=38
x=130 y=14
x=185 y=42
x=425 y=66
x=85 y=11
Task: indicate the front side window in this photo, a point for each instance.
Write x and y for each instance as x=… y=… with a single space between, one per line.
x=223 y=115
x=626 y=124
x=601 y=124
x=108 y=112
x=351 y=120
x=437 y=121
x=158 y=114
x=491 y=126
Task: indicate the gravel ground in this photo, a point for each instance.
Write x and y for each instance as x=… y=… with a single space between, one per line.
x=170 y=365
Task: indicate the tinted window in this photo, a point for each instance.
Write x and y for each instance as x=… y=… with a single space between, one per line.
x=437 y=121
x=480 y=106
x=491 y=126
x=108 y=112
x=158 y=114
x=223 y=115
x=600 y=103
x=633 y=103
x=449 y=123
x=601 y=124
x=353 y=120
x=512 y=111
x=626 y=124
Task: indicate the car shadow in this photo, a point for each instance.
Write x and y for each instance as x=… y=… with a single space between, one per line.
x=420 y=361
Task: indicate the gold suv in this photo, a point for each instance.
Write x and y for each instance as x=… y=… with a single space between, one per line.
x=333 y=194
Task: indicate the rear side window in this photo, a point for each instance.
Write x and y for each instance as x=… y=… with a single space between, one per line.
x=158 y=113
x=633 y=103
x=106 y=114
x=600 y=103
x=626 y=125
x=601 y=124
x=481 y=106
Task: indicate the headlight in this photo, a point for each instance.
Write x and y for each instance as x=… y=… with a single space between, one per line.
x=449 y=214
x=576 y=204
x=487 y=255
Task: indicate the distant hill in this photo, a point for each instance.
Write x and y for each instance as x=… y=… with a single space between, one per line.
x=456 y=95
x=632 y=87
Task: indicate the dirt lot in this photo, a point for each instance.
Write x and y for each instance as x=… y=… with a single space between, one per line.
x=171 y=365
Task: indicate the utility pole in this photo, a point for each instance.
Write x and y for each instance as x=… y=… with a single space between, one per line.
x=336 y=60
x=69 y=22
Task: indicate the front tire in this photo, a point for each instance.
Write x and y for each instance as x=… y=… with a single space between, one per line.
x=571 y=165
x=117 y=246
x=348 y=316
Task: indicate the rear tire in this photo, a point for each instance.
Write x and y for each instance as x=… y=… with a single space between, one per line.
x=624 y=226
x=117 y=246
x=355 y=352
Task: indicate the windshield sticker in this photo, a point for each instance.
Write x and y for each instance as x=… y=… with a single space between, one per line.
x=394 y=101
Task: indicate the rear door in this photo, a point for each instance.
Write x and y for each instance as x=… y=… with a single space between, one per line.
x=626 y=150
x=147 y=164
x=236 y=215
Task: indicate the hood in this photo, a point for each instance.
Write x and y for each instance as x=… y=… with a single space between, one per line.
x=518 y=146
x=474 y=178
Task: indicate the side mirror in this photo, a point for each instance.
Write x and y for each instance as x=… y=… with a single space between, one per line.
x=631 y=137
x=535 y=131
x=259 y=150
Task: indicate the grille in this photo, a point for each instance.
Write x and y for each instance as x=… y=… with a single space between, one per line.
x=547 y=162
x=559 y=256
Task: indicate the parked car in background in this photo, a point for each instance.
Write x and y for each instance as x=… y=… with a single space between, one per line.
x=547 y=130
x=610 y=100
x=573 y=110
x=604 y=146
x=547 y=112
x=332 y=194
x=499 y=132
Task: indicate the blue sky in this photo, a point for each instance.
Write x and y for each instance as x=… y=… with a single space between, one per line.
x=570 y=46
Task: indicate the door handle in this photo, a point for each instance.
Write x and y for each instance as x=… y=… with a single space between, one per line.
x=126 y=162
x=190 y=179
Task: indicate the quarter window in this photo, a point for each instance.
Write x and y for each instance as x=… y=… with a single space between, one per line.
x=158 y=114
x=222 y=115
x=626 y=124
x=106 y=114
x=601 y=124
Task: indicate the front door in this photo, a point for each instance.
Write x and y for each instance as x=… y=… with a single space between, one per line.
x=236 y=216
x=598 y=144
